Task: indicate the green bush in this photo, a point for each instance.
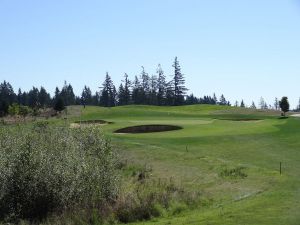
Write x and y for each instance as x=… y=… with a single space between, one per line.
x=48 y=170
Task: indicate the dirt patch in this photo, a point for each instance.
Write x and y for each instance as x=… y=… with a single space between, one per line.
x=147 y=129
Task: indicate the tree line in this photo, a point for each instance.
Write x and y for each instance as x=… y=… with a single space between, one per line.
x=144 y=89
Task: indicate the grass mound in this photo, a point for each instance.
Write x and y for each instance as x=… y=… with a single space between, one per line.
x=148 y=129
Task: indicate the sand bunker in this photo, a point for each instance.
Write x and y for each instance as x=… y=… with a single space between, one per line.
x=87 y=123
x=147 y=129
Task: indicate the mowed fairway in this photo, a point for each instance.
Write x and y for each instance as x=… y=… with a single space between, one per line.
x=214 y=139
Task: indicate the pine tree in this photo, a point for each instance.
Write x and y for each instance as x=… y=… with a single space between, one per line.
x=59 y=104
x=179 y=88
x=253 y=106
x=169 y=94
x=236 y=104
x=108 y=93
x=276 y=104
x=19 y=96
x=127 y=89
x=86 y=96
x=215 y=100
x=262 y=103
x=137 y=94
x=162 y=86
x=153 y=90
x=242 y=104
x=7 y=97
x=33 y=98
x=121 y=95
x=223 y=100
x=145 y=87
x=284 y=105
x=43 y=97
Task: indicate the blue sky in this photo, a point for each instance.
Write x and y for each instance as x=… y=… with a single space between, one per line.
x=243 y=49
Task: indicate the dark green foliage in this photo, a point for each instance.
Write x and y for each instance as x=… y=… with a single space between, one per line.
x=242 y=104
x=178 y=84
x=86 y=96
x=222 y=100
x=284 y=105
x=7 y=97
x=33 y=98
x=59 y=105
x=124 y=92
x=161 y=86
x=67 y=94
x=44 y=98
x=108 y=93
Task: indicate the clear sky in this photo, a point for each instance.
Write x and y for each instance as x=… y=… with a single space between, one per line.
x=244 y=49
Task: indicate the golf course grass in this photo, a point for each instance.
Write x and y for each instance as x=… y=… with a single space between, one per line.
x=231 y=155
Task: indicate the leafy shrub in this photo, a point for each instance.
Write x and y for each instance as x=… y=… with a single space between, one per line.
x=48 y=170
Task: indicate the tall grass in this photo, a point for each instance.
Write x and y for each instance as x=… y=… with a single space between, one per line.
x=45 y=170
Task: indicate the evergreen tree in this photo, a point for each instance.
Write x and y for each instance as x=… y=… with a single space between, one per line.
x=242 y=104
x=24 y=99
x=191 y=100
x=121 y=95
x=59 y=105
x=162 y=86
x=223 y=100
x=153 y=90
x=145 y=87
x=236 y=104
x=215 y=100
x=43 y=97
x=86 y=96
x=33 y=98
x=179 y=88
x=137 y=94
x=262 y=103
x=108 y=93
x=253 y=106
x=284 y=105
x=276 y=104
x=67 y=94
x=124 y=91
x=96 y=98
x=169 y=94
x=127 y=85
x=7 y=97
x=57 y=93
x=19 y=96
